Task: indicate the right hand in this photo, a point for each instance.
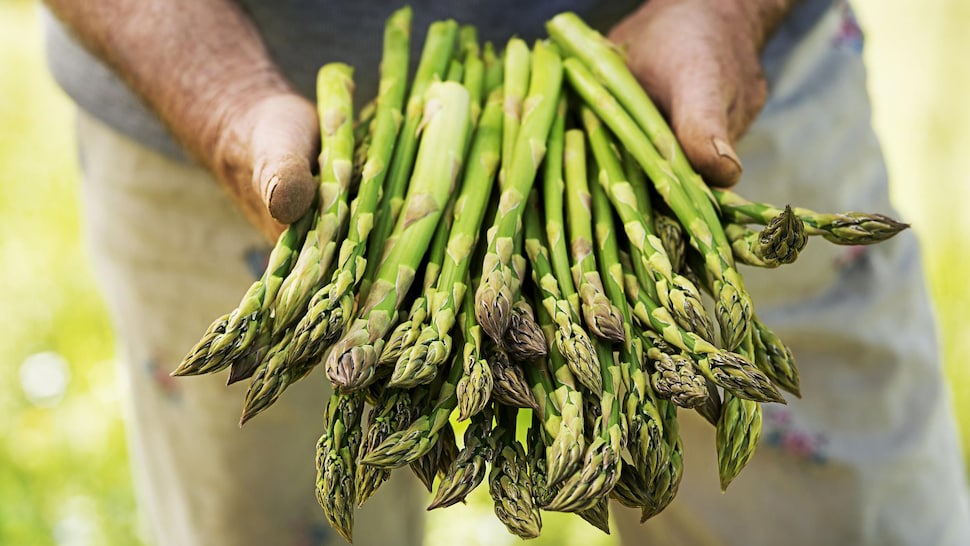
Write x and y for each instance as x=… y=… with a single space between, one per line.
x=265 y=156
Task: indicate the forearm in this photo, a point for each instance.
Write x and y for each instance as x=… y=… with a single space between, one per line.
x=196 y=63
x=202 y=67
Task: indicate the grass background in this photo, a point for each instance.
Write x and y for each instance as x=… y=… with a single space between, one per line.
x=63 y=467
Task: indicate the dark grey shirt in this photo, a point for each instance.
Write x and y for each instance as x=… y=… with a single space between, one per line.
x=302 y=35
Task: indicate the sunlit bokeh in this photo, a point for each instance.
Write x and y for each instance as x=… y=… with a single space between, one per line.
x=44 y=378
x=64 y=477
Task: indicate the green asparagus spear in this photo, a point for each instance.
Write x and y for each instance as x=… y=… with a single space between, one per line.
x=571 y=340
x=335 y=102
x=738 y=432
x=847 y=228
x=474 y=389
x=601 y=317
x=335 y=463
x=509 y=483
x=468 y=470
x=435 y=57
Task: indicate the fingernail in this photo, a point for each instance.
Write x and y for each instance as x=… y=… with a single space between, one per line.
x=724 y=150
x=269 y=187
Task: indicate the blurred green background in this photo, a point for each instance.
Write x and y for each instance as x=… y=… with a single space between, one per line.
x=63 y=468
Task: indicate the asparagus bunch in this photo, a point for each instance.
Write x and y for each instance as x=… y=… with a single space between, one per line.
x=587 y=285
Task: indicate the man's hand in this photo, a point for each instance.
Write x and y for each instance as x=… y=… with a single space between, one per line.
x=202 y=67
x=699 y=60
x=264 y=157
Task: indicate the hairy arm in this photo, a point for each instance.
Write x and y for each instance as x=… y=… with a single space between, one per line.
x=202 y=67
x=699 y=59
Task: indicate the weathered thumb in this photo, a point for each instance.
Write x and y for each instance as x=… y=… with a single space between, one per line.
x=284 y=144
x=699 y=114
x=286 y=186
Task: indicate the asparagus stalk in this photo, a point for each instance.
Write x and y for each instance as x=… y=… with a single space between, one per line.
x=350 y=364
x=600 y=315
x=551 y=269
x=644 y=423
x=738 y=432
x=468 y=469
x=517 y=60
x=664 y=484
x=602 y=465
x=847 y=228
x=331 y=307
x=474 y=389
x=498 y=286
x=561 y=409
x=778 y=243
x=665 y=227
x=774 y=358
x=335 y=91
x=335 y=461
x=456 y=71
x=473 y=77
x=493 y=68
x=509 y=483
x=571 y=340
x=402 y=339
